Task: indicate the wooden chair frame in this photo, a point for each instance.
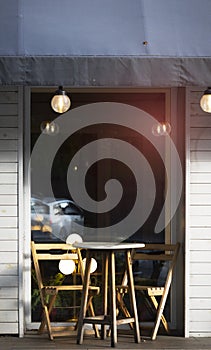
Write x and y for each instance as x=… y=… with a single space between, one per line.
x=49 y=293
x=154 y=252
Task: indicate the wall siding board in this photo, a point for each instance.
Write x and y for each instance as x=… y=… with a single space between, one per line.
x=200 y=121
x=8 y=133
x=9 y=316
x=7 y=210
x=8 y=121
x=9 y=308
x=8 y=246
x=195 y=209
x=200 y=292
x=204 y=315
x=200 y=134
x=200 y=256
x=199 y=156
x=7 y=156
x=8 y=293
x=10 y=233
x=9 y=199
x=200 y=217
x=9 y=97
x=10 y=169
x=200 y=188
x=200 y=304
x=9 y=109
x=199 y=221
x=8 y=328
x=202 y=145
x=8 y=258
x=8 y=145
x=8 y=269
x=199 y=244
x=8 y=189
x=9 y=281
x=200 y=177
x=9 y=304
x=200 y=233
x=202 y=199
x=200 y=280
x=197 y=268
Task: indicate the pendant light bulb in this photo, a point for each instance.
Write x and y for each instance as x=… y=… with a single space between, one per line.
x=60 y=102
x=205 y=101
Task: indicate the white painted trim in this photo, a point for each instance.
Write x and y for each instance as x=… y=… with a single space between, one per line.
x=27 y=213
x=20 y=213
x=187 y=213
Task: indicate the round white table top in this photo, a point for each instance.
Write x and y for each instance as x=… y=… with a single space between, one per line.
x=107 y=245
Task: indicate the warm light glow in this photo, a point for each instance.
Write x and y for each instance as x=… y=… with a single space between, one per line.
x=60 y=101
x=205 y=101
x=93 y=264
x=161 y=129
x=49 y=128
x=66 y=266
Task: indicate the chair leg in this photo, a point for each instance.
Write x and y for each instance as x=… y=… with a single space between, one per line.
x=132 y=297
x=92 y=313
x=46 y=321
x=46 y=316
x=123 y=307
x=163 y=319
x=159 y=316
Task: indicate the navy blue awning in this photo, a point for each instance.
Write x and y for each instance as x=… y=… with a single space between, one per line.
x=105 y=42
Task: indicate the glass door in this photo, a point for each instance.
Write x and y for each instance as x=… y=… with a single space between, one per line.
x=52 y=218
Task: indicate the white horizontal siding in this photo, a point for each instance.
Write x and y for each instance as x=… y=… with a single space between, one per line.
x=8 y=316
x=200 y=188
x=9 y=328
x=8 y=133
x=200 y=233
x=200 y=244
x=8 y=121
x=9 y=308
x=8 y=189
x=10 y=304
x=194 y=210
x=197 y=268
x=200 y=218
x=200 y=304
x=10 y=233
x=8 y=293
x=10 y=269
x=8 y=257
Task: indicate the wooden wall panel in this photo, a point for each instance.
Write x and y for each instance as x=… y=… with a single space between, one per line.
x=199 y=217
x=9 y=308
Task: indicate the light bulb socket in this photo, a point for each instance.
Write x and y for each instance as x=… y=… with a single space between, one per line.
x=208 y=91
x=60 y=91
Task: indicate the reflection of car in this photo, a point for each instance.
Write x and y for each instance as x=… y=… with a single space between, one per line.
x=60 y=217
x=39 y=216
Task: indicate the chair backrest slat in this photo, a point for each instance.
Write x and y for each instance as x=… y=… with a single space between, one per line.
x=159 y=252
x=51 y=252
x=65 y=256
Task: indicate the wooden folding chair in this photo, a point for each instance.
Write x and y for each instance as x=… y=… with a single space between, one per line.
x=48 y=293
x=156 y=294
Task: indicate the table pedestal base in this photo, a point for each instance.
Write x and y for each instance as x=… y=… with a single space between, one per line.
x=108 y=279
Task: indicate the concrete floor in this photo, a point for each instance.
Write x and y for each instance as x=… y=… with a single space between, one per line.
x=125 y=341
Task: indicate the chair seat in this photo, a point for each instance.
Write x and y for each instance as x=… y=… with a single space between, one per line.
x=49 y=289
x=151 y=290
